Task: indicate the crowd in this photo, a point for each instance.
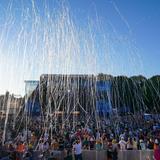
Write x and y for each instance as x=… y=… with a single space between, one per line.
x=112 y=136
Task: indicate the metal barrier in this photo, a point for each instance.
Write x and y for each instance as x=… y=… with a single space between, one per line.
x=122 y=155
x=94 y=155
x=135 y=155
x=102 y=155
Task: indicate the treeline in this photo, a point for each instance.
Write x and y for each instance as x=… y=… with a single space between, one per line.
x=136 y=93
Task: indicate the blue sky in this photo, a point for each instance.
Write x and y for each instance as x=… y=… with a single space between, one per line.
x=118 y=37
x=142 y=16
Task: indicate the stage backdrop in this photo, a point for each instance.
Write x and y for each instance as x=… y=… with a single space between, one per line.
x=103 y=102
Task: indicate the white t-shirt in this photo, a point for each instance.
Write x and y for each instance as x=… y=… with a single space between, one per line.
x=78 y=148
x=122 y=144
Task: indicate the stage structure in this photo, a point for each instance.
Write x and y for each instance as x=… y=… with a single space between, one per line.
x=74 y=96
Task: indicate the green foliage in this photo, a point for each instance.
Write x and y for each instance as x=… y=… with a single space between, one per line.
x=137 y=93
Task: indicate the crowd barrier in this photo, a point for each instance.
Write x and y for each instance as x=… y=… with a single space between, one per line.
x=94 y=155
x=102 y=155
x=136 y=155
x=122 y=155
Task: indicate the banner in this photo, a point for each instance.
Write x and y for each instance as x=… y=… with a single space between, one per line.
x=103 y=107
x=33 y=107
x=103 y=85
x=32 y=104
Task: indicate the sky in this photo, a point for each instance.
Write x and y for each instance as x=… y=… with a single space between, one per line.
x=139 y=16
x=118 y=37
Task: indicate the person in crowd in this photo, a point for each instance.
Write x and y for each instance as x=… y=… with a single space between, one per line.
x=11 y=147
x=40 y=146
x=86 y=143
x=156 y=150
x=142 y=144
x=92 y=142
x=156 y=144
x=129 y=145
x=104 y=142
x=68 y=154
x=110 y=150
x=115 y=149
x=61 y=144
x=97 y=135
x=135 y=144
x=45 y=146
x=21 y=148
x=150 y=144
x=98 y=144
x=77 y=147
x=54 y=144
x=122 y=143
